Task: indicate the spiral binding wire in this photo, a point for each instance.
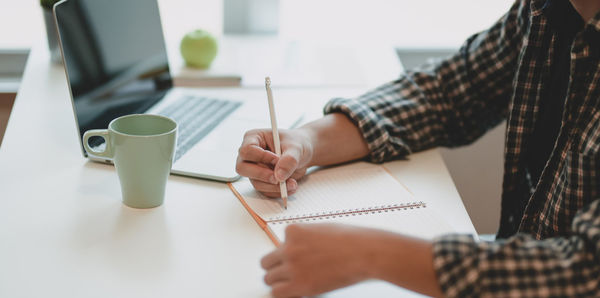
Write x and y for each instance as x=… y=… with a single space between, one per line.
x=344 y=213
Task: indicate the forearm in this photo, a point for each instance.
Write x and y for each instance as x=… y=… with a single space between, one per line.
x=404 y=261
x=335 y=139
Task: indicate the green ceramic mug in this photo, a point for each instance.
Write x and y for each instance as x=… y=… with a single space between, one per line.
x=142 y=147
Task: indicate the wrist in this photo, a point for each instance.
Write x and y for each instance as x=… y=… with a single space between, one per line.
x=333 y=139
x=404 y=261
x=372 y=254
x=308 y=136
x=377 y=255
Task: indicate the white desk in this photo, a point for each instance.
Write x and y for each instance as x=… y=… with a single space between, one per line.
x=65 y=233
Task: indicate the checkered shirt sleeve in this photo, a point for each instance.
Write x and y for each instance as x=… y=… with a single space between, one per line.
x=522 y=266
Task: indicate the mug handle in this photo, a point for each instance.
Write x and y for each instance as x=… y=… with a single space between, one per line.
x=103 y=133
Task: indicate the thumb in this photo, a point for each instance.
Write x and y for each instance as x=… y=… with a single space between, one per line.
x=287 y=164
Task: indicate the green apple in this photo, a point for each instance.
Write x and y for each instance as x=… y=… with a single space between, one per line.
x=198 y=48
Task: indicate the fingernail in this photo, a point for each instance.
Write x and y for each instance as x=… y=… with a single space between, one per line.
x=292 y=185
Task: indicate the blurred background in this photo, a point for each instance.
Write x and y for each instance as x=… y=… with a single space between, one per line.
x=415 y=30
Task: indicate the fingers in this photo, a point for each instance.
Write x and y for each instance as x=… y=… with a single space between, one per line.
x=287 y=164
x=272 y=190
x=253 y=148
x=298 y=174
x=272 y=259
x=256 y=172
x=259 y=164
x=256 y=154
x=282 y=289
x=276 y=274
x=255 y=137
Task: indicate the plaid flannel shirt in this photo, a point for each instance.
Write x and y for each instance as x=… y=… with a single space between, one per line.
x=550 y=232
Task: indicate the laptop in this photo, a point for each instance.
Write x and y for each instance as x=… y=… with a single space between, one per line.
x=116 y=64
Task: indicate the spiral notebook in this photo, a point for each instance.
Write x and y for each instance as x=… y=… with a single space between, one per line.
x=360 y=193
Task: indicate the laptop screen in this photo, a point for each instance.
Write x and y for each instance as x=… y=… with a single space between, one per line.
x=115 y=58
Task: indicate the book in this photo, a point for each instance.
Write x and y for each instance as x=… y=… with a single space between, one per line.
x=220 y=74
x=185 y=76
x=361 y=194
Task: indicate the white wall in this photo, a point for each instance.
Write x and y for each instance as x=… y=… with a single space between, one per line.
x=477 y=173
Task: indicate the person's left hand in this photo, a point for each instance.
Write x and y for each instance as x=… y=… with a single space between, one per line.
x=316 y=258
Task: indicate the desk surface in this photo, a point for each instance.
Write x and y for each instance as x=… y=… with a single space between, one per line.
x=65 y=233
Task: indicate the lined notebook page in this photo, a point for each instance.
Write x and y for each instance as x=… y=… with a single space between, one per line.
x=354 y=186
x=419 y=222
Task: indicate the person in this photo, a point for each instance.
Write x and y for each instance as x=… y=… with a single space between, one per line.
x=538 y=67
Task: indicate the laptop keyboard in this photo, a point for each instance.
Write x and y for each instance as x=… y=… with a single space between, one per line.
x=197 y=116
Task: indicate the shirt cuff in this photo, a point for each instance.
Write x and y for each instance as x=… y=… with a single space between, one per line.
x=371 y=127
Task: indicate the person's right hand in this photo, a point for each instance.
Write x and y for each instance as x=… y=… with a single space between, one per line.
x=257 y=160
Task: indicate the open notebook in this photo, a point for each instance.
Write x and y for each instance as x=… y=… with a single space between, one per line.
x=361 y=194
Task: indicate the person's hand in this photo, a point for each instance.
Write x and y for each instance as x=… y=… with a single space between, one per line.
x=317 y=258
x=257 y=160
